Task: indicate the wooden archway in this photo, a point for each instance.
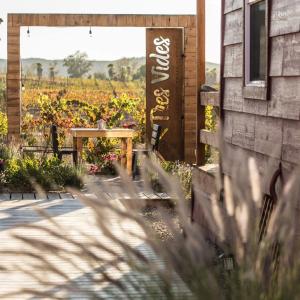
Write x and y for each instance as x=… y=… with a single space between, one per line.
x=187 y=22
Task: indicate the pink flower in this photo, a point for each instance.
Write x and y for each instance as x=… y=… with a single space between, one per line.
x=94 y=169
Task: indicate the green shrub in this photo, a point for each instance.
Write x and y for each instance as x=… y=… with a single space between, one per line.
x=5 y=152
x=22 y=174
x=62 y=174
x=184 y=172
x=211 y=116
x=181 y=170
x=3 y=124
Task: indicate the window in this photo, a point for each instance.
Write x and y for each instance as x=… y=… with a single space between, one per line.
x=258 y=41
x=256 y=47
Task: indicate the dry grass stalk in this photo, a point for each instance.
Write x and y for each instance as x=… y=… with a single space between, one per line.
x=185 y=266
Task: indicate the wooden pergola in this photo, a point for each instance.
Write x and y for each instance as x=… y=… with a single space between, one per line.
x=194 y=72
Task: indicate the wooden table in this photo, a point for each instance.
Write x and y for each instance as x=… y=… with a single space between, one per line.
x=125 y=135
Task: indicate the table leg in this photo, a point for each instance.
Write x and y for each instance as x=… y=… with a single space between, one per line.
x=129 y=156
x=77 y=146
x=123 y=152
x=75 y=149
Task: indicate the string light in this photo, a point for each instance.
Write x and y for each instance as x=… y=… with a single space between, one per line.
x=28 y=32
x=90 y=32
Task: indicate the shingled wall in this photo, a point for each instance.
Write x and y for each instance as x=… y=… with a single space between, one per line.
x=266 y=129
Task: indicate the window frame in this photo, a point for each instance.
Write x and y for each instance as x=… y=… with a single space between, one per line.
x=258 y=90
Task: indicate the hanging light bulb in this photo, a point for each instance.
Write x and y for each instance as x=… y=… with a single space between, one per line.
x=90 y=32
x=28 y=32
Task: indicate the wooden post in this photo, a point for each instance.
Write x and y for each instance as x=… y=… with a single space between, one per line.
x=123 y=152
x=75 y=149
x=13 y=82
x=200 y=71
x=77 y=146
x=129 y=156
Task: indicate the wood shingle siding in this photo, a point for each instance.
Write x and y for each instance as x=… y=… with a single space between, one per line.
x=231 y=5
x=285 y=17
x=266 y=165
x=233 y=61
x=233 y=27
x=268 y=130
x=243 y=130
x=227 y=127
x=255 y=107
x=285 y=56
x=285 y=98
x=291 y=141
x=268 y=136
x=233 y=94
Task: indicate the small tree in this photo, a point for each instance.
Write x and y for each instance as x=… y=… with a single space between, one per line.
x=111 y=71
x=52 y=71
x=129 y=73
x=77 y=64
x=123 y=74
x=140 y=73
x=39 y=71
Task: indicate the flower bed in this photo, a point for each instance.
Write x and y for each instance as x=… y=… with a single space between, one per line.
x=105 y=165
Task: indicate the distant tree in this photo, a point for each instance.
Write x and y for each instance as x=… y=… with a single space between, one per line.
x=123 y=74
x=51 y=74
x=129 y=73
x=140 y=73
x=39 y=71
x=100 y=76
x=111 y=72
x=52 y=71
x=211 y=76
x=77 y=64
x=124 y=69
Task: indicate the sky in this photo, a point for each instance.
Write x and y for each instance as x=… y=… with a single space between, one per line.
x=106 y=43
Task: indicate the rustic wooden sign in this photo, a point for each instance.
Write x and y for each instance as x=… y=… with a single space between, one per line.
x=164 y=89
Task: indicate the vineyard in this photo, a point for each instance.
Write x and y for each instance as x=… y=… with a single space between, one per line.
x=92 y=91
x=80 y=102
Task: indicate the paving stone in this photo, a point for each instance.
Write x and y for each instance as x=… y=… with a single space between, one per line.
x=16 y=196
x=28 y=196
x=4 y=197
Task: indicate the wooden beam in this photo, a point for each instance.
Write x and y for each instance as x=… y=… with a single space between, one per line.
x=13 y=82
x=209 y=138
x=210 y=98
x=205 y=178
x=200 y=67
x=135 y=20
